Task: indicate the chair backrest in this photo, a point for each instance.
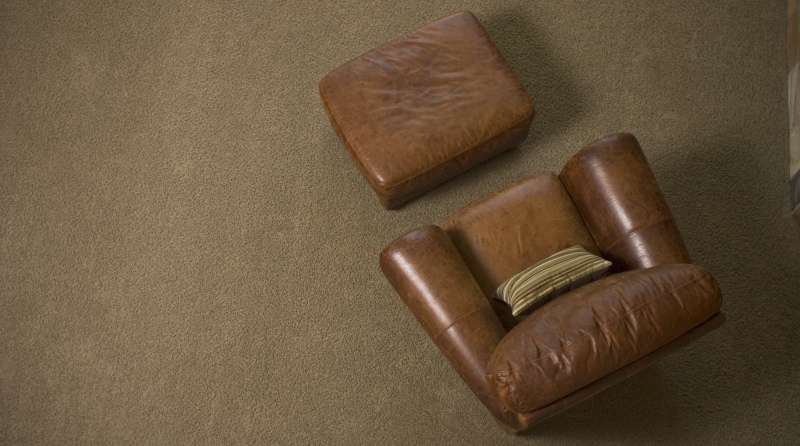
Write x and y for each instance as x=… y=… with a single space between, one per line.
x=510 y=230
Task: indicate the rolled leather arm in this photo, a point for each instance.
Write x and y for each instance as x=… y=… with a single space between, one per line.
x=587 y=334
x=432 y=279
x=618 y=197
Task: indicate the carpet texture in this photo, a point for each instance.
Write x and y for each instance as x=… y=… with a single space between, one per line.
x=188 y=255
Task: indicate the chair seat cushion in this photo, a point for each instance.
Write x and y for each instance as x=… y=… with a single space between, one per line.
x=589 y=333
x=426 y=106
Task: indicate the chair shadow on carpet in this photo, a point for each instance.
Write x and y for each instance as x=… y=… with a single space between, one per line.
x=723 y=195
x=556 y=96
x=630 y=410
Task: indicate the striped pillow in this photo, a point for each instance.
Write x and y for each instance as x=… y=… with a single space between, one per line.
x=561 y=272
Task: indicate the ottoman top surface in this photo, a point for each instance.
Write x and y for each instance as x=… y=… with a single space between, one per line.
x=423 y=99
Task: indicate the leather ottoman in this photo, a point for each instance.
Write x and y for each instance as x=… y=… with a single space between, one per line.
x=426 y=106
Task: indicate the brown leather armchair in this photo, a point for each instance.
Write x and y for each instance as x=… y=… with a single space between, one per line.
x=528 y=368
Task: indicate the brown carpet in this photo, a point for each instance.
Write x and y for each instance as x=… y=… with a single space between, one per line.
x=188 y=256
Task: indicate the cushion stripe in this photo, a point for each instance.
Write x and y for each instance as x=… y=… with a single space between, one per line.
x=554 y=275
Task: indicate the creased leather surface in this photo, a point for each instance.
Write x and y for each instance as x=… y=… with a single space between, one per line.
x=618 y=197
x=426 y=106
x=522 y=421
x=585 y=335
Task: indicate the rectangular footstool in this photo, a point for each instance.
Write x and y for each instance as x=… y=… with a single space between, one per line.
x=426 y=106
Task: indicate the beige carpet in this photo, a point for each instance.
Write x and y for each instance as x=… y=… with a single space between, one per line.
x=188 y=256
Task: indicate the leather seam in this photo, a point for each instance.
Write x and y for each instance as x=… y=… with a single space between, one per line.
x=661 y=220
x=459 y=320
x=505 y=373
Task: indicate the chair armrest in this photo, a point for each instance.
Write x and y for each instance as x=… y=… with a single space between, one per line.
x=589 y=333
x=431 y=277
x=618 y=198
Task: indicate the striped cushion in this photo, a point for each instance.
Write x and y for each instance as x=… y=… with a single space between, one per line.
x=561 y=272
